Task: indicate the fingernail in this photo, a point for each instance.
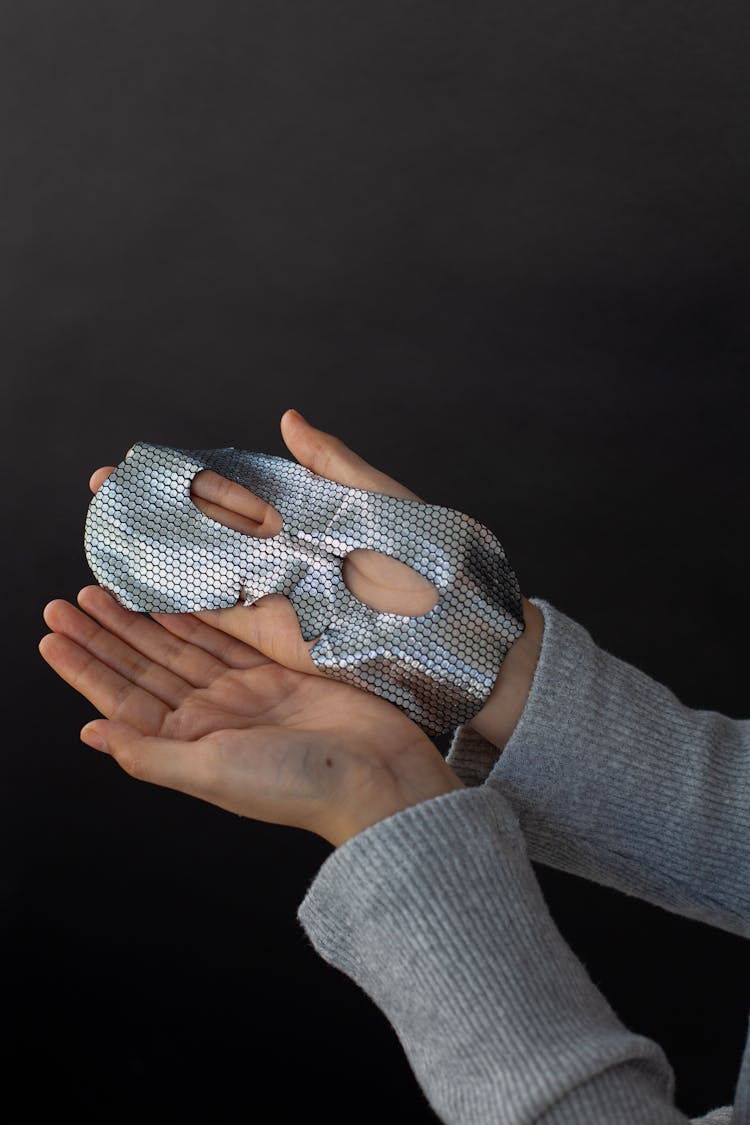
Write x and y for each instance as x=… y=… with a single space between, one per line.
x=94 y=740
x=293 y=411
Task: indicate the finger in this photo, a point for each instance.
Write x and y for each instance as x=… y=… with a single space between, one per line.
x=232 y=652
x=222 y=500
x=187 y=766
x=260 y=772
x=98 y=477
x=109 y=692
x=330 y=458
x=235 y=506
x=270 y=625
x=132 y=666
x=191 y=663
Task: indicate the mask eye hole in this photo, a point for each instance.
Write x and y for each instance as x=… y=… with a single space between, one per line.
x=387 y=584
x=228 y=503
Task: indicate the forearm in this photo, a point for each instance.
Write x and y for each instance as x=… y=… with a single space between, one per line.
x=617 y=781
x=437 y=914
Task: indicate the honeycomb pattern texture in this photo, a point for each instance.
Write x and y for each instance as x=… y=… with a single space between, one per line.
x=154 y=550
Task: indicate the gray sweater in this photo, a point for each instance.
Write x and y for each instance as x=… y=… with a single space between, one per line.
x=437 y=914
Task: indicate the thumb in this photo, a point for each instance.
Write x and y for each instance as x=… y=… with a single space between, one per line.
x=161 y=761
x=327 y=456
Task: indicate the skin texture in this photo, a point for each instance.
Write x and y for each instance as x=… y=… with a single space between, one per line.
x=227 y=705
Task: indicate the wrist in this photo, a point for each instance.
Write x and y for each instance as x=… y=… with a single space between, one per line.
x=498 y=718
x=381 y=796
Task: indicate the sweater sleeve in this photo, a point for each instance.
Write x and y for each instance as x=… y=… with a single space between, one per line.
x=614 y=779
x=436 y=913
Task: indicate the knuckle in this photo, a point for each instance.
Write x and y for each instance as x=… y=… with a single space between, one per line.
x=182 y=722
x=327 y=450
x=135 y=765
x=172 y=654
x=119 y=703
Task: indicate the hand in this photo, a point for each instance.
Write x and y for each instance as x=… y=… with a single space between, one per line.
x=197 y=710
x=271 y=626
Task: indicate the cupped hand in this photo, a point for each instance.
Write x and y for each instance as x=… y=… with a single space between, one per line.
x=270 y=625
x=196 y=709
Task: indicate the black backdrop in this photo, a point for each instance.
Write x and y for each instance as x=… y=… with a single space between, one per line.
x=499 y=249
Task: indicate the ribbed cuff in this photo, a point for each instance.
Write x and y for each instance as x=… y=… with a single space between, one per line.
x=471 y=756
x=437 y=915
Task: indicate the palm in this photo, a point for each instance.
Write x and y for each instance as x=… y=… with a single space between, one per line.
x=240 y=730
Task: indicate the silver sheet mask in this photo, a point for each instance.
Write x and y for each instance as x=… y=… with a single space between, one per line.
x=153 y=549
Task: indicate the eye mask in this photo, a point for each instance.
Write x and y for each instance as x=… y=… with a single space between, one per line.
x=154 y=550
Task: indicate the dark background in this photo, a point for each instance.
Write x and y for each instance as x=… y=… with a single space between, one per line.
x=500 y=250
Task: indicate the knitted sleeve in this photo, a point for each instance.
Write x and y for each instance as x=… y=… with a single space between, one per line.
x=614 y=779
x=436 y=913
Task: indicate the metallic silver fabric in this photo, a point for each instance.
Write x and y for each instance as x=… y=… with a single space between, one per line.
x=153 y=549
